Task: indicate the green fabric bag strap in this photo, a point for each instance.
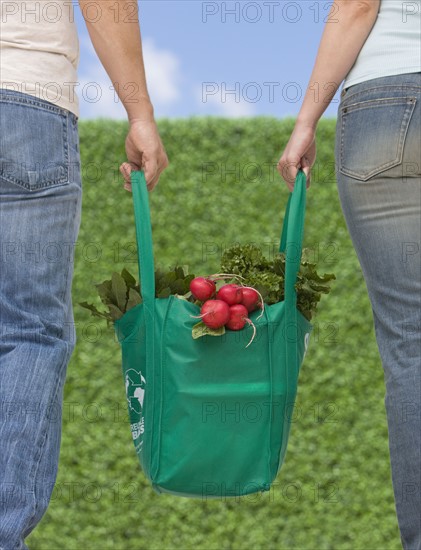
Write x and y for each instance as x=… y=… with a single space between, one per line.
x=145 y=256
x=291 y=245
x=291 y=239
x=146 y=266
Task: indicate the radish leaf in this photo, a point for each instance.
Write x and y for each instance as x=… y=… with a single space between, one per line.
x=200 y=329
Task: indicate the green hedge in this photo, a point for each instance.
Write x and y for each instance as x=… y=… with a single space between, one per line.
x=334 y=490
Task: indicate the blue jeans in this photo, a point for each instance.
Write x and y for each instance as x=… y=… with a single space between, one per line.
x=40 y=209
x=378 y=157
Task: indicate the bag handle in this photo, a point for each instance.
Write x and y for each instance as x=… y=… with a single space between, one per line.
x=291 y=238
x=291 y=245
x=145 y=256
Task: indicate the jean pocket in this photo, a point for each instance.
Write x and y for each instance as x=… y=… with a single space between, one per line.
x=34 y=151
x=373 y=135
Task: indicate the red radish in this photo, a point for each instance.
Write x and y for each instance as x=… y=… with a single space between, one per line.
x=251 y=299
x=238 y=316
x=231 y=294
x=215 y=313
x=202 y=289
x=238 y=319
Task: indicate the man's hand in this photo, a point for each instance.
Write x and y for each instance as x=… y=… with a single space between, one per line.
x=300 y=152
x=145 y=152
x=118 y=43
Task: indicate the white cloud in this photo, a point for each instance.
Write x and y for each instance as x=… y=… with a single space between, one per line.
x=234 y=110
x=98 y=98
x=214 y=100
x=162 y=73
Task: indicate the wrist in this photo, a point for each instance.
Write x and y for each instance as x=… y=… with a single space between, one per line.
x=303 y=121
x=140 y=111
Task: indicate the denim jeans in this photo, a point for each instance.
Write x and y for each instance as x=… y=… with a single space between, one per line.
x=378 y=157
x=40 y=209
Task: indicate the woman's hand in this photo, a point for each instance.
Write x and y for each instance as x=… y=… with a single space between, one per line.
x=145 y=152
x=300 y=152
x=337 y=53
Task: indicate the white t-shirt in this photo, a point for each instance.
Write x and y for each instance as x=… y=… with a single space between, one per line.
x=394 y=44
x=39 y=50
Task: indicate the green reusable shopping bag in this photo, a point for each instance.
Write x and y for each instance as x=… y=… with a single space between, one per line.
x=210 y=418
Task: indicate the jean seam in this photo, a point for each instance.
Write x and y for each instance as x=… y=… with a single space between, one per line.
x=378 y=102
x=71 y=262
x=66 y=146
x=44 y=440
x=33 y=102
x=62 y=180
x=385 y=87
x=390 y=164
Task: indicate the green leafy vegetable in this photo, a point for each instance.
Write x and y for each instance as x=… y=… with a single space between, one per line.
x=119 y=290
x=134 y=299
x=268 y=276
x=122 y=293
x=95 y=312
x=128 y=277
x=106 y=293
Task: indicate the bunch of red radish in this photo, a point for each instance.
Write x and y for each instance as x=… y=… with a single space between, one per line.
x=228 y=307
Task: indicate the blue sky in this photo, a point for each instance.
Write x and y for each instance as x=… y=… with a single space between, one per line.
x=197 y=52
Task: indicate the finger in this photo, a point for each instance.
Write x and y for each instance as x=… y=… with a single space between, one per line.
x=284 y=169
x=306 y=168
x=308 y=176
x=125 y=170
x=305 y=162
x=153 y=183
x=163 y=164
x=126 y=182
x=151 y=171
x=281 y=167
x=289 y=173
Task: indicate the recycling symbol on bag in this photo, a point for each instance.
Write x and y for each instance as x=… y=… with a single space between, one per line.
x=135 y=390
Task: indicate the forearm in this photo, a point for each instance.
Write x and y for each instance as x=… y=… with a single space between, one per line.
x=116 y=38
x=340 y=45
